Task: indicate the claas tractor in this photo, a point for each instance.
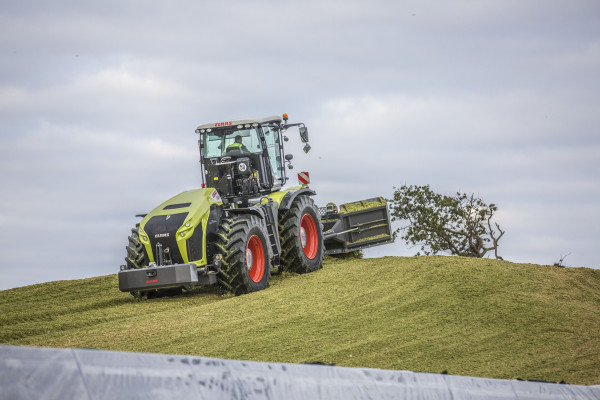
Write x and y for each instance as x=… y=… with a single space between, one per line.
x=245 y=222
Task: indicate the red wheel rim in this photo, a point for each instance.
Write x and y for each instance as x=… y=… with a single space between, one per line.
x=309 y=237
x=255 y=258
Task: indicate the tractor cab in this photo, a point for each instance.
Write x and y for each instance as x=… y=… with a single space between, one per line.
x=244 y=159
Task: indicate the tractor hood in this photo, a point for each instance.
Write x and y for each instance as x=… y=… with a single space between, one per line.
x=179 y=227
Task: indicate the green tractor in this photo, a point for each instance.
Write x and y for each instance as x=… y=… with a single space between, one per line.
x=242 y=225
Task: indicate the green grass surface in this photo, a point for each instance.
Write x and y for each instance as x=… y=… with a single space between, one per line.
x=474 y=317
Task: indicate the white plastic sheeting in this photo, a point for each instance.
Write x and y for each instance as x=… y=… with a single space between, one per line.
x=47 y=373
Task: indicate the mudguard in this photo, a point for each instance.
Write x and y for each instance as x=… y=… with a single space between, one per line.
x=284 y=198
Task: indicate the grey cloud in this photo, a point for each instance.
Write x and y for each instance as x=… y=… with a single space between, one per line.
x=99 y=102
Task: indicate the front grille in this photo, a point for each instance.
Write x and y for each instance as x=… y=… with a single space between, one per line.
x=163 y=229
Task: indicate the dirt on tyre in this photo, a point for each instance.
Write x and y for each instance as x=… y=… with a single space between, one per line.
x=301 y=234
x=242 y=240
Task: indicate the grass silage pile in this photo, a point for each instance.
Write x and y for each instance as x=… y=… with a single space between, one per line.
x=466 y=316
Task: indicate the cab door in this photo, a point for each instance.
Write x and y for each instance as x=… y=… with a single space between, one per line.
x=274 y=151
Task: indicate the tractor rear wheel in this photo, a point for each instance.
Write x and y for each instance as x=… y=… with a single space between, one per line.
x=243 y=242
x=301 y=234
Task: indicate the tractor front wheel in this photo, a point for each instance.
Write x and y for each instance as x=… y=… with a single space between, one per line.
x=301 y=236
x=242 y=240
x=136 y=255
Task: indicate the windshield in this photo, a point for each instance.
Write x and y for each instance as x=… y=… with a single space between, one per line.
x=233 y=140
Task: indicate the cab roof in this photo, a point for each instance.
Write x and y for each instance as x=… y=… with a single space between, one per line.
x=239 y=122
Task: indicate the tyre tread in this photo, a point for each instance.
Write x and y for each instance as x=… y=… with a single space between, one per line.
x=292 y=255
x=231 y=244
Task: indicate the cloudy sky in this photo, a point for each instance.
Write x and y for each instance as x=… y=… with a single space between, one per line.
x=99 y=101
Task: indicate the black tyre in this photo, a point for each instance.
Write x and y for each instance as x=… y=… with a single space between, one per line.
x=301 y=235
x=136 y=254
x=242 y=240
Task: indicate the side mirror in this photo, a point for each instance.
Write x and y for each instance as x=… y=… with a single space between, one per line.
x=289 y=157
x=303 y=134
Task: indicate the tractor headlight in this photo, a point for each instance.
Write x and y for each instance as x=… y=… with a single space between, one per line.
x=143 y=236
x=185 y=230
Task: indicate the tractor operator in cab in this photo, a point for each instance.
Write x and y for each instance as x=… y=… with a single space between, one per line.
x=237 y=146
